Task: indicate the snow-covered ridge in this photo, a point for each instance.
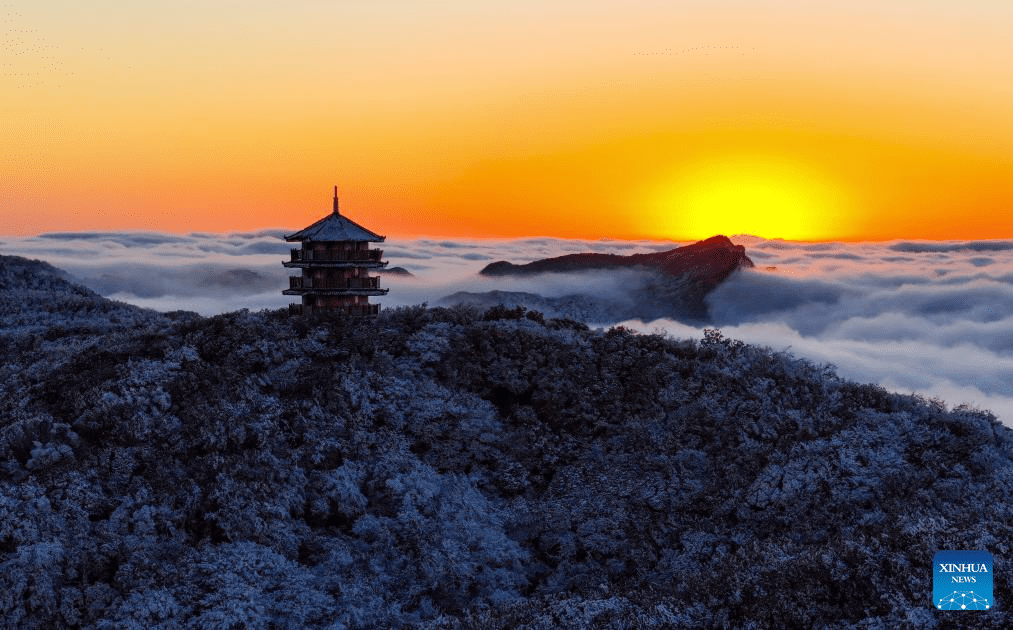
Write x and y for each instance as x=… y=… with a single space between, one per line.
x=454 y=467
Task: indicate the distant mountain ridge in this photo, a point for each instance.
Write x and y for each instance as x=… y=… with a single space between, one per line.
x=579 y=307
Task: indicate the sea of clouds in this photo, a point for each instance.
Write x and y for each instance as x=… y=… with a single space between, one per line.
x=930 y=317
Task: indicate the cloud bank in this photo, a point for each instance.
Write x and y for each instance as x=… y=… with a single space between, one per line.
x=930 y=317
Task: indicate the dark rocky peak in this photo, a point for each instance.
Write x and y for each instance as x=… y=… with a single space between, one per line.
x=709 y=261
x=706 y=262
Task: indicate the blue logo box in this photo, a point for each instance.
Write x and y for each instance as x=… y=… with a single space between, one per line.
x=962 y=580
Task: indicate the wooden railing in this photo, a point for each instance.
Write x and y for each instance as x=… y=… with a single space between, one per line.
x=308 y=255
x=299 y=282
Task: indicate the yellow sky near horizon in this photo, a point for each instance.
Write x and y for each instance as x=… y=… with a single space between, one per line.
x=641 y=119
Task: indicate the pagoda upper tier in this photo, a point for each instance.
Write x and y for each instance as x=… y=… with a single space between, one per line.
x=334 y=228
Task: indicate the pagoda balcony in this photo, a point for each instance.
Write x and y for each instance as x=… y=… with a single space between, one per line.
x=363 y=255
x=346 y=286
x=299 y=282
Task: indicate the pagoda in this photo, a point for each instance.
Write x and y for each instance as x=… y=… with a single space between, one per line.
x=335 y=260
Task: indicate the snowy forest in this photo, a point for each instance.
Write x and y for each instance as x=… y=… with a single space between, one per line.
x=460 y=467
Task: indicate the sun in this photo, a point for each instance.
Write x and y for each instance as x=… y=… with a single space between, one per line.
x=759 y=194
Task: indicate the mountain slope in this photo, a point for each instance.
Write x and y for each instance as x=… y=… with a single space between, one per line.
x=451 y=467
x=35 y=296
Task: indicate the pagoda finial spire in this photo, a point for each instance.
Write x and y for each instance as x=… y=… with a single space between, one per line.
x=336 y=200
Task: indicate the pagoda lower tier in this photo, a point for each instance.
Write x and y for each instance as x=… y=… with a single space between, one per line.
x=337 y=289
x=346 y=305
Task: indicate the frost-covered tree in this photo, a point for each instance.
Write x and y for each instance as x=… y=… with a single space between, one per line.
x=453 y=467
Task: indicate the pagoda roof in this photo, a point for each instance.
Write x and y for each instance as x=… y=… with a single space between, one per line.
x=335 y=227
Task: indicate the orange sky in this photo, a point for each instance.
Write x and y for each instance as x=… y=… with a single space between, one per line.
x=669 y=120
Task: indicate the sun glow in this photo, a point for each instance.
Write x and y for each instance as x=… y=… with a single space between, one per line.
x=762 y=195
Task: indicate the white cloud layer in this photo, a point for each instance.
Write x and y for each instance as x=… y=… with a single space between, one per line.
x=930 y=317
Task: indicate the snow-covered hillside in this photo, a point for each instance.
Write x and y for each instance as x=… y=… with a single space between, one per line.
x=452 y=467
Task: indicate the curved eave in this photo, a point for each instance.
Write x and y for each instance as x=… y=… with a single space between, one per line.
x=304 y=264
x=335 y=292
x=295 y=238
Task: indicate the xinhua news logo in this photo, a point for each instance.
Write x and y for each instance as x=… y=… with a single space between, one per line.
x=962 y=580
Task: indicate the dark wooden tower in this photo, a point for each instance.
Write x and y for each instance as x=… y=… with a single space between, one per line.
x=335 y=260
